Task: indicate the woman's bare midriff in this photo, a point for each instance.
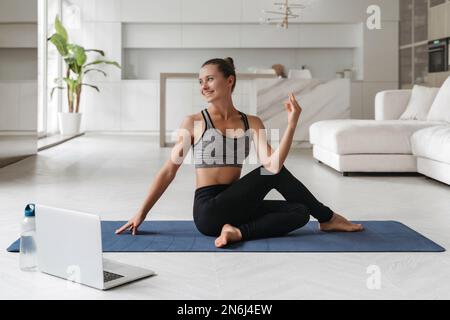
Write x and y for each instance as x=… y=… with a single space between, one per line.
x=218 y=175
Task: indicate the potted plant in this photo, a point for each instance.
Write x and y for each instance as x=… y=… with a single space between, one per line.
x=76 y=66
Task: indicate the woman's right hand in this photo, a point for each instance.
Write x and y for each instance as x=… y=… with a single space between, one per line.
x=294 y=110
x=132 y=225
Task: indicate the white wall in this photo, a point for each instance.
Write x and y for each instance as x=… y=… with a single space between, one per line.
x=147 y=53
x=18 y=35
x=148 y=63
x=18 y=11
x=241 y=35
x=18 y=40
x=246 y=11
x=380 y=67
x=381 y=53
x=133 y=105
x=18 y=65
x=18 y=107
x=439 y=21
x=149 y=37
x=105 y=36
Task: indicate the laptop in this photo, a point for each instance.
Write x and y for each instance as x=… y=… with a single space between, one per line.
x=70 y=247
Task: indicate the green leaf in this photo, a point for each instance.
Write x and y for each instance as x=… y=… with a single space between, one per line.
x=95 y=50
x=60 y=43
x=104 y=73
x=90 y=85
x=69 y=60
x=53 y=90
x=103 y=61
x=72 y=65
x=71 y=84
x=60 y=29
x=67 y=80
x=78 y=53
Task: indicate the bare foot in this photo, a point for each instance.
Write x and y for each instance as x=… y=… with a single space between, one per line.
x=228 y=234
x=339 y=223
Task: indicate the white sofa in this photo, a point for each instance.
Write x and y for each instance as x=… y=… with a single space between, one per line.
x=431 y=146
x=385 y=144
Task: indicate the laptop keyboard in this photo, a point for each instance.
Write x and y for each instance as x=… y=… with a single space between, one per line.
x=109 y=276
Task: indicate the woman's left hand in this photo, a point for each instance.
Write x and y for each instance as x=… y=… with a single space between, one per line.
x=294 y=110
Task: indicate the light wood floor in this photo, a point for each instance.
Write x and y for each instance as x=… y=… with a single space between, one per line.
x=109 y=175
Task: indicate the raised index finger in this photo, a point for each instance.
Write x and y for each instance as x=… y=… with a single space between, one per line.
x=293 y=97
x=294 y=100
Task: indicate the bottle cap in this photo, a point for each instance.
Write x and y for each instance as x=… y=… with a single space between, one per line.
x=29 y=210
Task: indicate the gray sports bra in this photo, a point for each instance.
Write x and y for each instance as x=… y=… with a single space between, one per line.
x=216 y=150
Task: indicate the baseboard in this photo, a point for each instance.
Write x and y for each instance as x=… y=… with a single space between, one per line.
x=55 y=140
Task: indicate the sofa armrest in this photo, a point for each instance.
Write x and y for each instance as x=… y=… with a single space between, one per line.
x=390 y=104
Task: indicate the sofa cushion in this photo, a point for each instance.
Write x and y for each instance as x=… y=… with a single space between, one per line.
x=366 y=136
x=390 y=104
x=432 y=143
x=420 y=102
x=440 y=109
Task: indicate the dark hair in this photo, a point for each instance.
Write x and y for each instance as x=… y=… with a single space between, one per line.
x=225 y=66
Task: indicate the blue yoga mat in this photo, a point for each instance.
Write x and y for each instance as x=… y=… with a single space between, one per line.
x=183 y=236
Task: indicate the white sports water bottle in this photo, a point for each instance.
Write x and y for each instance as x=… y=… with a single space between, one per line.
x=28 y=249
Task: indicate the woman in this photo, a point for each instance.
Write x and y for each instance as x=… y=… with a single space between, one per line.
x=226 y=206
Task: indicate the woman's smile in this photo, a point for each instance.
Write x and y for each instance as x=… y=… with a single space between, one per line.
x=208 y=93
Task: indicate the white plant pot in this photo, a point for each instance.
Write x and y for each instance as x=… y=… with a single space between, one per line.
x=69 y=123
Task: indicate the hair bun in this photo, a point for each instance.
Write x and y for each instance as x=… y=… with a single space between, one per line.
x=230 y=61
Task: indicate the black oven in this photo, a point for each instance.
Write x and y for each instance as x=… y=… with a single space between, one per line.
x=438 y=55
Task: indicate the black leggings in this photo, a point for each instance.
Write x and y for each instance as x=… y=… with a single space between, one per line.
x=242 y=205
